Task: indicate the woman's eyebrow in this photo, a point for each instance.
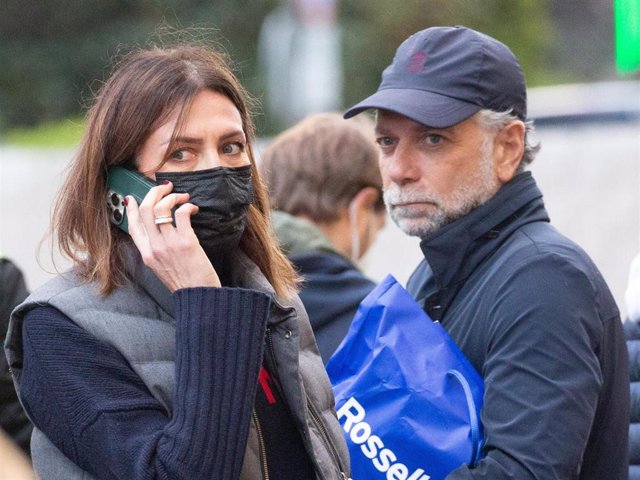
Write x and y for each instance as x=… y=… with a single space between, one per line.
x=200 y=141
x=233 y=133
x=182 y=139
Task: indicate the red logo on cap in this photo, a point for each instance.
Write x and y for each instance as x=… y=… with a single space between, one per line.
x=416 y=62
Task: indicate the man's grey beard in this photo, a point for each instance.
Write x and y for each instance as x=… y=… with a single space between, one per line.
x=477 y=190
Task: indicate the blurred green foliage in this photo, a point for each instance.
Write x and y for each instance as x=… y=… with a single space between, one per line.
x=373 y=29
x=55 y=53
x=56 y=133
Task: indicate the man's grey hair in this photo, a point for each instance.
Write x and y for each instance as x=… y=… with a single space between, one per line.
x=495 y=121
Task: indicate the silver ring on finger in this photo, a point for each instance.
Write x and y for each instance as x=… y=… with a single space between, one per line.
x=163 y=219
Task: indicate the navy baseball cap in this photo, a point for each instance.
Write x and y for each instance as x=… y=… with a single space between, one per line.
x=442 y=75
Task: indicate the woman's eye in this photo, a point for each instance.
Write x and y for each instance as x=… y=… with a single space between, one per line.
x=233 y=148
x=180 y=155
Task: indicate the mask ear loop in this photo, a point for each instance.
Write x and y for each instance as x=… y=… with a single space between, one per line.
x=355 y=235
x=372 y=226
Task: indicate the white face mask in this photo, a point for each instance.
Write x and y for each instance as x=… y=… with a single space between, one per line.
x=356 y=243
x=355 y=234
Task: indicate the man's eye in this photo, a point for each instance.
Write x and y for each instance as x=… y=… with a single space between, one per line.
x=233 y=148
x=384 y=141
x=433 y=139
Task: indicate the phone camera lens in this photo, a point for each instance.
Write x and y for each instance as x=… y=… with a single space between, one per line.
x=117 y=216
x=115 y=199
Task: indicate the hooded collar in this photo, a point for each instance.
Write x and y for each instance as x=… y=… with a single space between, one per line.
x=456 y=250
x=145 y=279
x=298 y=235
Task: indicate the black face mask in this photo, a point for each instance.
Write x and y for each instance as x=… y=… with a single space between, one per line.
x=223 y=196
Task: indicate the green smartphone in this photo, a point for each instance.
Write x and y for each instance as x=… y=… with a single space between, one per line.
x=120 y=183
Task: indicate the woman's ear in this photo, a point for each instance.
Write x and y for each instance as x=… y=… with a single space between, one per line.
x=508 y=147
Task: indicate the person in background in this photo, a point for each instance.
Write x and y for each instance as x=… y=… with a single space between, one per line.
x=13 y=420
x=326 y=191
x=632 y=334
x=526 y=305
x=180 y=349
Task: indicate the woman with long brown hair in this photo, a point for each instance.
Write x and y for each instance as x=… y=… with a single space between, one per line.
x=179 y=349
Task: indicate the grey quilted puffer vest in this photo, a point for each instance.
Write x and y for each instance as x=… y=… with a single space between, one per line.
x=137 y=319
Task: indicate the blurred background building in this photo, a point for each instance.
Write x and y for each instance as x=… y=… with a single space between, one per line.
x=302 y=56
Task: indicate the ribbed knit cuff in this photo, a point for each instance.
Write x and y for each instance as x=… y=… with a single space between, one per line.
x=219 y=346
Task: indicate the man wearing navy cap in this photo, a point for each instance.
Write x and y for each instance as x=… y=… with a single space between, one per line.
x=525 y=304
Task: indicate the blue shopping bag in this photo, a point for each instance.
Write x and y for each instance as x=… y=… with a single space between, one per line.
x=406 y=396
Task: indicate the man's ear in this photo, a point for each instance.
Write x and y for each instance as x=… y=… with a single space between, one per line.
x=508 y=150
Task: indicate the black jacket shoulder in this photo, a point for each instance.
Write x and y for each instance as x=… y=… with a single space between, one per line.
x=13 y=420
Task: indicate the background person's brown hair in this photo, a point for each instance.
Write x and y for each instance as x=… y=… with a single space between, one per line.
x=316 y=167
x=145 y=88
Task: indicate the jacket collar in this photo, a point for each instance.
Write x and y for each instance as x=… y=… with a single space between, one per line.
x=298 y=235
x=455 y=251
x=245 y=274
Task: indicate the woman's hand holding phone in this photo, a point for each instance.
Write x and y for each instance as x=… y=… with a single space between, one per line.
x=173 y=253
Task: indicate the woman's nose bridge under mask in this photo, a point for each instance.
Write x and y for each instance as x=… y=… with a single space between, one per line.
x=223 y=195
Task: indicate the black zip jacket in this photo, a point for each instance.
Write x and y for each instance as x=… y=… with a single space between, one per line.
x=534 y=316
x=632 y=334
x=333 y=286
x=12 y=418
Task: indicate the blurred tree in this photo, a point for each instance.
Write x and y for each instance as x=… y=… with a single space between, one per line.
x=585 y=40
x=373 y=30
x=53 y=52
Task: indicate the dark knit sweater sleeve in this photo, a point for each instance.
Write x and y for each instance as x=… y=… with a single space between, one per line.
x=86 y=398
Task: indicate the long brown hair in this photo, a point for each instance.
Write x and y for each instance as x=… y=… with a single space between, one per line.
x=144 y=89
